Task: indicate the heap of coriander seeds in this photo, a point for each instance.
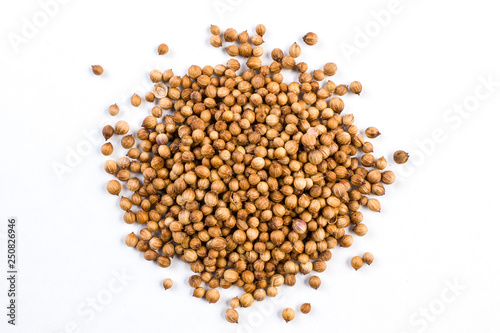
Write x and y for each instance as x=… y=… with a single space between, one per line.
x=248 y=179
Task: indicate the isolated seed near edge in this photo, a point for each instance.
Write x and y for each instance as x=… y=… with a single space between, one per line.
x=97 y=69
x=400 y=157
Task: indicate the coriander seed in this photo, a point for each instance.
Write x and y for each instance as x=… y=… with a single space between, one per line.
x=214 y=30
x=128 y=141
x=235 y=302
x=246 y=300
x=277 y=55
x=367 y=258
x=107 y=132
x=230 y=35
x=107 y=149
x=356 y=262
x=121 y=127
x=341 y=89
x=97 y=69
x=314 y=282
x=360 y=229
x=381 y=163
x=114 y=187
x=131 y=240
x=167 y=283
x=215 y=41
x=110 y=167
x=162 y=49
x=294 y=50
x=288 y=314
x=212 y=295
x=260 y=29
x=305 y=308
x=374 y=205
x=372 y=132
x=256 y=40
x=135 y=100
x=388 y=177
x=199 y=292
x=288 y=62
x=355 y=87
x=113 y=110
x=243 y=37
x=330 y=69
x=310 y=38
x=400 y=157
x=232 y=50
x=232 y=316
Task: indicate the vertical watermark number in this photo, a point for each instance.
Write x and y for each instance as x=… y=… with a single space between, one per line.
x=12 y=275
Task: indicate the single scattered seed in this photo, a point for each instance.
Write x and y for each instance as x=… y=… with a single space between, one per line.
x=113 y=110
x=288 y=314
x=114 y=187
x=400 y=157
x=305 y=308
x=356 y=87
x=162 y=49
x=167 y=283
x=232 y=316
x=314 y=282
x=97 y=69
x=310 y=38
x=372 y=132
x=135 y=100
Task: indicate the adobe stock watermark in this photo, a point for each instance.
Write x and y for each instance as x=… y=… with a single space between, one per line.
x=87 y=310
x=260 y=312
x=453 y=119
x=222 y=7
x=363 y=36
x=32 y=25
x=92 y=139
x=421 y=319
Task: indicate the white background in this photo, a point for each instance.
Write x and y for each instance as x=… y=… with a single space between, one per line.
x=438 y=224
